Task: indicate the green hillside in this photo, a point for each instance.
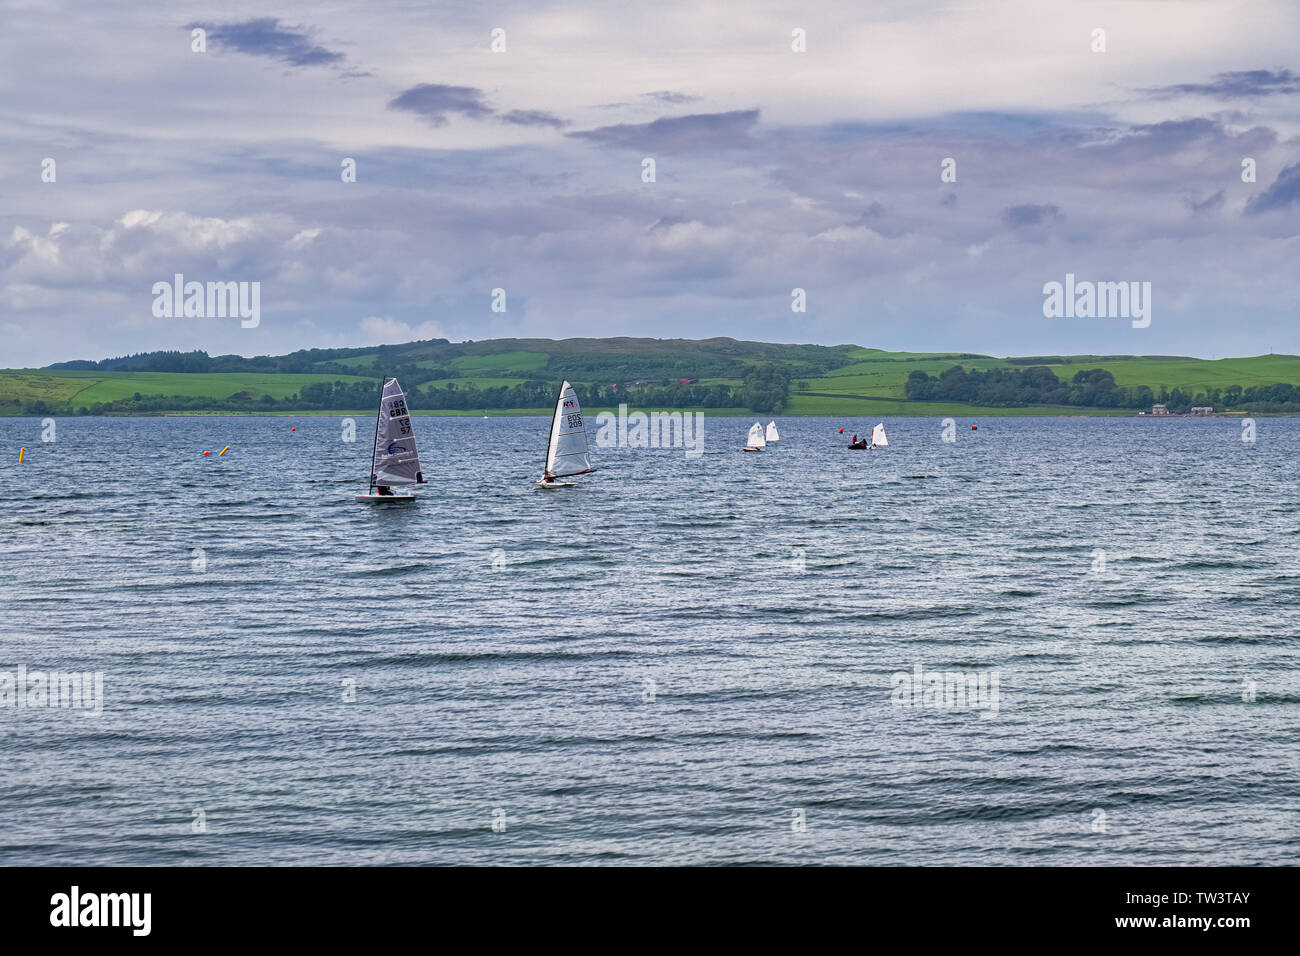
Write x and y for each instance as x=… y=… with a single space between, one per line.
x=721 y=375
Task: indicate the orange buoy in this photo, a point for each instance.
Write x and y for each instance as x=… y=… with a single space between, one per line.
x=206 y=454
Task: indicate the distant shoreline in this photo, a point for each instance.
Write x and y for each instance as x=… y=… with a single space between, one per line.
x=722 y=377
x=904 y=410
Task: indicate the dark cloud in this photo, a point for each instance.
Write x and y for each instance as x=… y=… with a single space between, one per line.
x=1180 y=132
x=664 y=223
x=1208 y=205
x=1283 y=194
x=266 y=37
x=1031 y=214
x=669 y=96
x=533 y=118
x=1233 y=85
x=1159 y=142
x=701 y=131
x=434 y=102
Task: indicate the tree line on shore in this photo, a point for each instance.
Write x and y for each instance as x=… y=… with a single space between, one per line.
x=1088 y=388
x=765 y=389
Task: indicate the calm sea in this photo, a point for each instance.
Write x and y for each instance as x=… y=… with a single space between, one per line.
x=722 y=659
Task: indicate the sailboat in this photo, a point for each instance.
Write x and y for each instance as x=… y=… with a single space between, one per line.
x=566 y=452
x=394 y=460
x=878 y=439
x=756 y=442
x=772 y=434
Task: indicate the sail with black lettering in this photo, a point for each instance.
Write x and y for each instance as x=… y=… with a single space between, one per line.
x=772 y=433
x=396 y=461
x=567 y=453
x=878 y=436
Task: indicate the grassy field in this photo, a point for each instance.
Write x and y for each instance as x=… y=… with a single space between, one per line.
x=506 y=362
x=86 y=388
x=1192 y=375
x=884 y=374
x=853 y=407
x=870 y=385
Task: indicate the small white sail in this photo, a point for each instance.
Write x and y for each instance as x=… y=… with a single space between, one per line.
x=878 y=436
x=567 y=453
x=756 y=439
x=772 y=434
x=396 y=461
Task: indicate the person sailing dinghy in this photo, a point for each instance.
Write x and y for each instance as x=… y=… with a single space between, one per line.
x=566 y=452
x=393 y=460
x=756 y=440
x=772 y=434
x=878 y=439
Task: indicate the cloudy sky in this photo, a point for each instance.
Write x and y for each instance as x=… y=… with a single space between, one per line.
x=774 y=170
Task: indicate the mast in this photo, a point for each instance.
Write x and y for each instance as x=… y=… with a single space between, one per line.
x=546 y=458
x=374 y=441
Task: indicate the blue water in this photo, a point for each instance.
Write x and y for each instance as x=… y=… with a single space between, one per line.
x=678 y=661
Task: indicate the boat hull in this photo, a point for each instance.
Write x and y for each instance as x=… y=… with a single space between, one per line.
x=753 y=449
x=386 y=499
x=553 y=484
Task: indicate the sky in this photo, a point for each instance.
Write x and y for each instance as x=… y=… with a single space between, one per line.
x=523 y=169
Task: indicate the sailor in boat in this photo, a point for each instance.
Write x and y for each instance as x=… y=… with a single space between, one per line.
x=383 y=490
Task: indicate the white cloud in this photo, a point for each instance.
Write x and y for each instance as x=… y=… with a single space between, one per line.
x=381 y=330
x=233 y=174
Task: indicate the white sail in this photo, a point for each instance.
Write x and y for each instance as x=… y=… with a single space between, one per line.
x=396 y=461
x=567 y=453
x=878 y=435
x=756 y=439
x=772 y=434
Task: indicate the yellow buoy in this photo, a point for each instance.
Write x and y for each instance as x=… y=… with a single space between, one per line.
x=223 y=451
x=21 y=452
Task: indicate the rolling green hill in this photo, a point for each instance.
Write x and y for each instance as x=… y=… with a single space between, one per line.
x=520 y=374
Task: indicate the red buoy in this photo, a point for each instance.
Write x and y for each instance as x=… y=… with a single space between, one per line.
x=206 y=454
x=974 y=428
x=841 y=431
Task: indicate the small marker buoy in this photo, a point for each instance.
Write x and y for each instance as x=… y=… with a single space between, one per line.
x=206 y=454
x=21 y=453
x=293 y=429
x=841 y=431
x=974 y=428
x=223 y=451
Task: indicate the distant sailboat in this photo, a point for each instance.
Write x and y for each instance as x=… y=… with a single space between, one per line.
x=757 y=441
x=878 y=439
x=566 y=452
x=394 y=460
x=772 y=434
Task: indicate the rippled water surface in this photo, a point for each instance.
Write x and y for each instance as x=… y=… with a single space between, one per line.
x=676 y=661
